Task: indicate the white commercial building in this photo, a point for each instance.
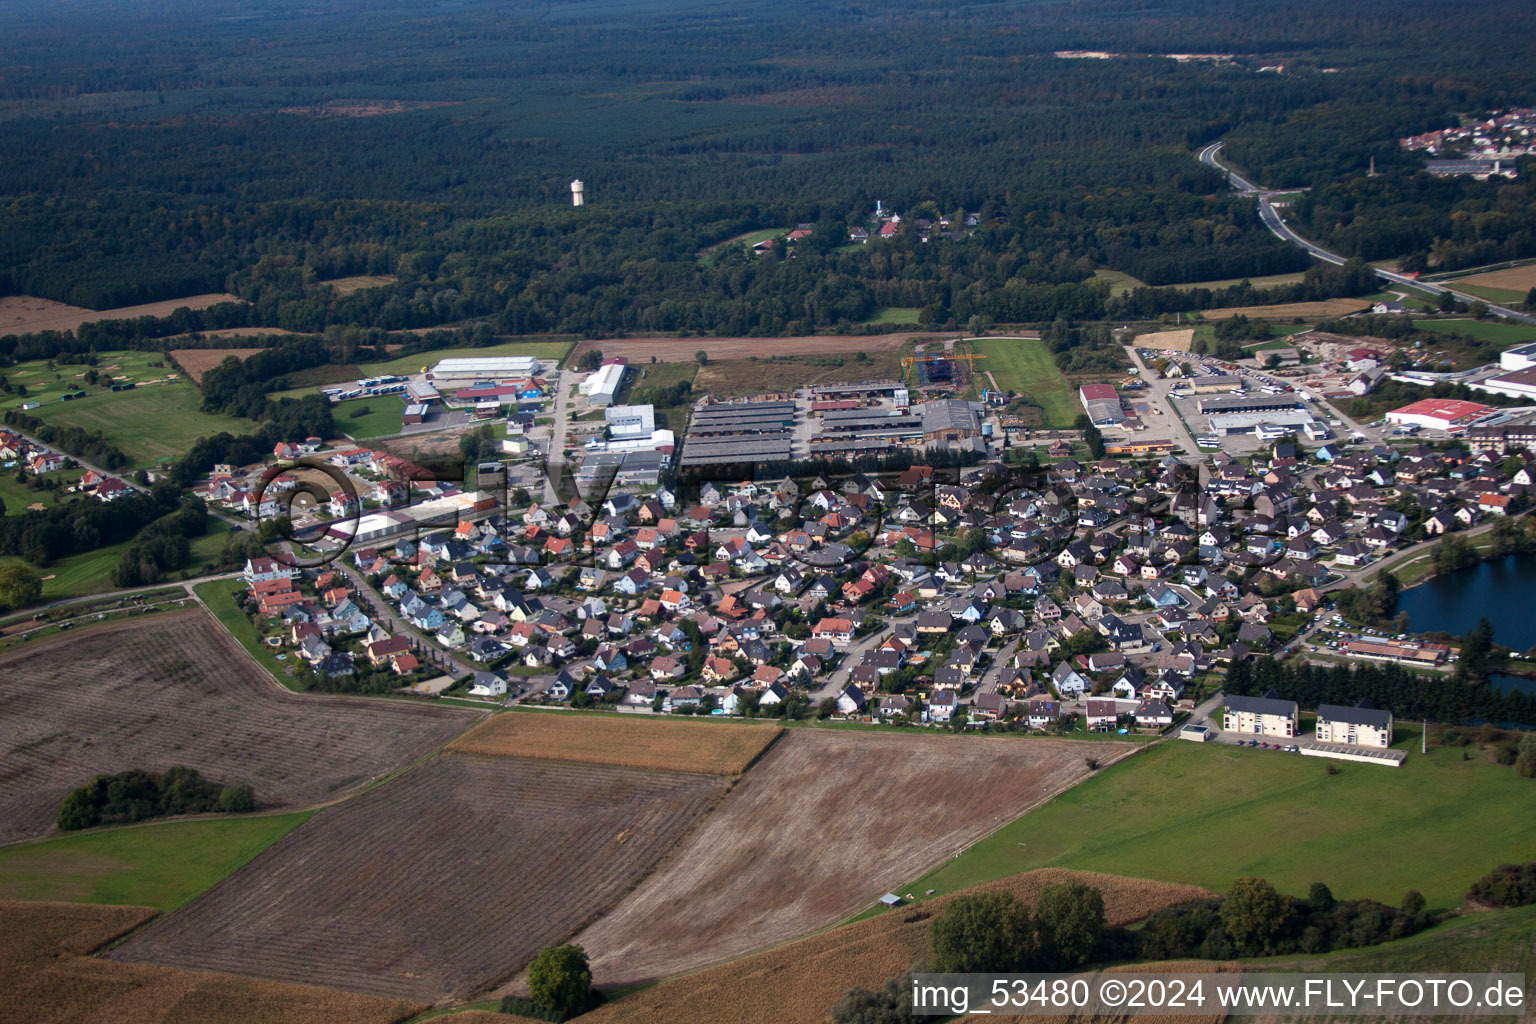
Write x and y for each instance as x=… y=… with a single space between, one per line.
x=1521 y=357
x=453 y=373
x=1519 y=384
x=630 y=421
x=1265 y=423
x=602 y=385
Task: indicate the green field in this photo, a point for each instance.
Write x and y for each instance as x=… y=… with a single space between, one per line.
x=17 y=496
x=153 y=422
x=91 y=572
x=749 y=239
x=384 y=417
x=1496 y=331
x=219 y=596
x=1119 y=281
x=1501 y=296
x=894 y=315
x=1498 y=940
x=1257 y=282
x=548 y=351
x=1208 y=814
x=162 y=865
x=1024 y=365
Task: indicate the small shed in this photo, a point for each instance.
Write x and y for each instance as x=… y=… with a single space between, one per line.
x=890 y=899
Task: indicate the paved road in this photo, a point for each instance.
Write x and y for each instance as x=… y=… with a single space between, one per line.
x=1159 y=390
x=384 y=613
x=1276 y=224
x=555 y=461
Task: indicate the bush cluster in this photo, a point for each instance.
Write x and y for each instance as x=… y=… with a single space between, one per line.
x=136 y=795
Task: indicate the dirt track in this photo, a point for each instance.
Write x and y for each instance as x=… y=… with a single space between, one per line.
x=817 y=830
x=174 y=690
x=439 y=884
x=681 y=350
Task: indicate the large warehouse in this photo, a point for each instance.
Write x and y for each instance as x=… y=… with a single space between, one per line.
x=602 y=385
x=1102 y=404
x=1521 y=357
x=1250 y=403
x=1519 y=384
x=733 y=433
x=1440 y=414
x=462 y=373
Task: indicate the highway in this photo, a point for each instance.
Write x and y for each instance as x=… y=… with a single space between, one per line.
x=1277 y=225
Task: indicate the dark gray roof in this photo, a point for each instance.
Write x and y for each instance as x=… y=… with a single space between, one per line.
x=1262 y=705
x=1361 y=714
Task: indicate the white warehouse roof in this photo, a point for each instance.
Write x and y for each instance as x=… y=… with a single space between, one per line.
x=487 y=366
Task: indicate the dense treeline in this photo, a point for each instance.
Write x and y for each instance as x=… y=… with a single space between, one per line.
x=1508 y=885
x=1321 y=281
x=170 y=153
x=84 y=524
x=86 y=444
x=1406 y=694
x=162 y=547
x=137 y=795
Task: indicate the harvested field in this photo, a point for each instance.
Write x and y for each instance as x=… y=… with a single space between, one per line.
x=348 y=285
x=1285 y=310
x=47 y=977
x=733 y=378
x=195 y=362
x=821 y=826
x=444 y=882
x=801 y=981
x=22 y=314
x=703 y=747
x=681 y=350
x=175 y=690
x=1515 y=279
x=1179 y=341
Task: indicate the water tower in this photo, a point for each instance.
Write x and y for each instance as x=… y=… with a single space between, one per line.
x=578 y=193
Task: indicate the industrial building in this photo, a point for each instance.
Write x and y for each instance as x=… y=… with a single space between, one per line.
x=1521 y=357
x=1102 y=404
x=1250 y=403
x=728 y=433
x=951 y=419
x=862 y=391
x=627 y=422
x=468 y=371
x=1210 y=384
x=1251 y=422
x=1439 y=414
x=438 y=512
x=1519 y=384
x=602 y=385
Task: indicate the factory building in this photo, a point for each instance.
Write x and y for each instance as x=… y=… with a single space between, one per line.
x=1266 y=422
x=1439 y=414
x=1102 y=404
x=1521 y=357
x=602 y=385
x=730 y=433
x=451 y=374
x=1250 y=403
x=1519 y=384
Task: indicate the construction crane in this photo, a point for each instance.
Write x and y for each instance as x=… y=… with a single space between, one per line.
x=940 y=357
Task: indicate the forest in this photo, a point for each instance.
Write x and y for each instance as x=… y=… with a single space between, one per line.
x=170 y=148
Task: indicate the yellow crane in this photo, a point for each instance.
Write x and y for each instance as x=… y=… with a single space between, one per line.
x=969 y=357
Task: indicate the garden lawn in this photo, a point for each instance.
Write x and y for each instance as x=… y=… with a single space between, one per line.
x=1208 y=814
x=1025 y=365
x=158 y=420
x=383 y=416
x=17 y=496
x=1497 y=331
x=162 y=865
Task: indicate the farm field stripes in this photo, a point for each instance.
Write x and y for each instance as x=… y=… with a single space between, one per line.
x=1322 y=308
x=1498 y=332
x=178 y=691
x=681 y=350
x=439 y=884
x=703 y=747
x=799 y=982
x=757 y=871
x=47 y=977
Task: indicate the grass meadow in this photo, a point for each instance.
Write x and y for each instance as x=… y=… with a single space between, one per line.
x=1025 y=365
x=1206 y=815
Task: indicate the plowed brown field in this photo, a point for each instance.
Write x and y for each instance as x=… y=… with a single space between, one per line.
x=195 y=362
x=708 y=748
x=175 y=690
x=22 y=314
x=48 y=979
x=439 y=884
x=799 y=982
x=681 y=350
x=816 y=831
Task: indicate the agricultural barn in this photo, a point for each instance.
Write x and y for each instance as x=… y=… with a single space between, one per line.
x=1439 y=414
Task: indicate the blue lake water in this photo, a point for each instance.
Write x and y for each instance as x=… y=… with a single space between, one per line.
x=1503 y=589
